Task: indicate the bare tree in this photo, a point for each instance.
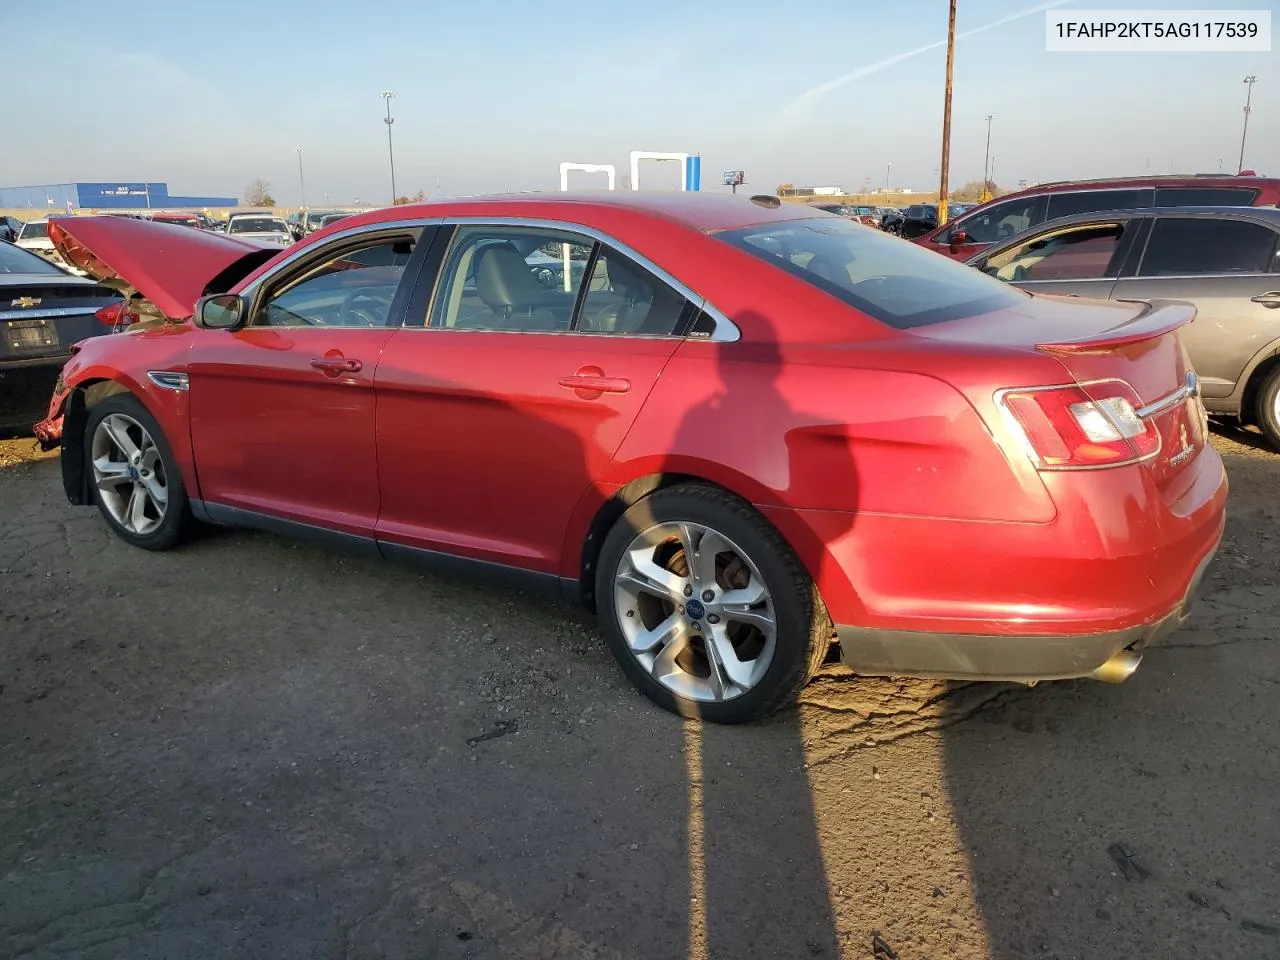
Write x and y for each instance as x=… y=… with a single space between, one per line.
x=258 y=194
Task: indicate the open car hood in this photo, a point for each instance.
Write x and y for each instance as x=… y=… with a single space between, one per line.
x=171 y=266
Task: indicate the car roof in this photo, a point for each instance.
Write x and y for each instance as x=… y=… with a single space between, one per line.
x=705 y=212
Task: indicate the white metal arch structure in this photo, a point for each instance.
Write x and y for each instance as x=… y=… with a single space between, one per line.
x=605 y=168
x=638 y=155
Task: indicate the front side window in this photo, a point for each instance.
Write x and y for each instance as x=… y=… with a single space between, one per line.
x=1078 y=253
x=355 y=288
x=1000 y=221
x=1186 y=246
x=900 y=284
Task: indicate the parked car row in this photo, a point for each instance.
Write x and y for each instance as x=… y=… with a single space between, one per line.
x=583 y=431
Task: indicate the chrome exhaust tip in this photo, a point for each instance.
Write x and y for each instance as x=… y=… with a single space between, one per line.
x=1119 y=668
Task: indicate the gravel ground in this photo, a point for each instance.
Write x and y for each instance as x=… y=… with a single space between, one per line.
x=253 y=748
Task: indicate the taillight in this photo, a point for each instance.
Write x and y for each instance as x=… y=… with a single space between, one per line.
x=116 y=314
x=1080 y=426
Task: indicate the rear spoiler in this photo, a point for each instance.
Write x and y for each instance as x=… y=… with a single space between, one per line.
x=1158 y=318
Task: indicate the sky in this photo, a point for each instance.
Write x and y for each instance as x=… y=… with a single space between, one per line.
x=491 y=95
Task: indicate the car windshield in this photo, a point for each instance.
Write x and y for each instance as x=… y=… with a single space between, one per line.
x=896 y=282
x=332 y=218
x=257 y=225
x=35 y=230
x=16 y=260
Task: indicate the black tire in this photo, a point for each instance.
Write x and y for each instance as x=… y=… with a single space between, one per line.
x=803 y=628
x=1267 y=410
x=177 y=513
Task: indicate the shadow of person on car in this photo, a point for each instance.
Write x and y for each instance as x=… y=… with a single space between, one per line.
x=757 y=883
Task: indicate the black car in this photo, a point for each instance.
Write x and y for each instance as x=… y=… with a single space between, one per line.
x=918 y=220
x=891 y=220
x=43 y=311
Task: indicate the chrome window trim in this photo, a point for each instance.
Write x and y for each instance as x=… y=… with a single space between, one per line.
x=726 y=331
x=1271 y=275
x=169 y=379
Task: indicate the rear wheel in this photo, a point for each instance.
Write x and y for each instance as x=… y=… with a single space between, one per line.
x=706 y=609
x=1267 y=413
x=136 y=481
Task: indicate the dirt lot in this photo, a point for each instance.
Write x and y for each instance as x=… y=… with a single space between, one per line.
x=251 y=748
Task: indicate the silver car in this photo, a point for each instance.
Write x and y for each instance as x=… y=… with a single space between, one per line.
x=1225 y=260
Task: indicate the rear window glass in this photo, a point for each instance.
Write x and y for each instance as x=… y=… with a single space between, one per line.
x=1188 y=246
x=1205 y=197
x=35 y=230
x=16 y=260
x=896 y=282
x=256 y=225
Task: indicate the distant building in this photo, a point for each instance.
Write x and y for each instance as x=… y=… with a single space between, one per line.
x=107 y=195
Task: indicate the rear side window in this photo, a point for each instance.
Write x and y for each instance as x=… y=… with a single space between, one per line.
x=1090 y=201
x=900 y=284
x=1205 y=196
x=1183 y=246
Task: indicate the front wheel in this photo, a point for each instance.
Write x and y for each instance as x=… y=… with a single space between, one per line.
x=1267 y=413
x=706 y=608
x=136 y=481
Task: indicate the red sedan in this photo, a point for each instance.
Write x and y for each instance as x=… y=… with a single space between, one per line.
x=738 y=431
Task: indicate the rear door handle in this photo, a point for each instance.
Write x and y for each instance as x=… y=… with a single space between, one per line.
x=1269 y=299
x=336 y=365
x=596 y=385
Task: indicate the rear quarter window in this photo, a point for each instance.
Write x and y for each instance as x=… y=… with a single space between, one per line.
x=896 y=282
x=1190 y=246
x=1205 y=196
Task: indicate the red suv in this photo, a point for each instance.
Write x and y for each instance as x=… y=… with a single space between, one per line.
x=1003 y=217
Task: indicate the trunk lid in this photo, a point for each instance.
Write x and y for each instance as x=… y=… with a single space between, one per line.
x=1134 y=341
x=171 y=266
x=42 y=316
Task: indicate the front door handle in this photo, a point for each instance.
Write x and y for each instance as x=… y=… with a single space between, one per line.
x=1269 y=299
x=337 y=365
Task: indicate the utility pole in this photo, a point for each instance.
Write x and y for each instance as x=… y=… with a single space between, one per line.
x=302 y=184
x=986 y=164
x=888 y=176
x=1250 y=80
x=946 y=116
x=388 y=96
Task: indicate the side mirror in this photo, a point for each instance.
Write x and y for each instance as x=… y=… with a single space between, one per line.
x=958 y=237
x=224 y=311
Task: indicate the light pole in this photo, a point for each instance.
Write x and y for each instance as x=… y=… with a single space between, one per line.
x=302 y=184
x=1250 y=80
x=888 y=176
x=986 y=192
x=388 y=96
x=986 y=175
x=946 y=116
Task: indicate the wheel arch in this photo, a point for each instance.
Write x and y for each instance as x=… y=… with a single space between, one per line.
x=84 y=396
x=587 y=540
x=1253 y=384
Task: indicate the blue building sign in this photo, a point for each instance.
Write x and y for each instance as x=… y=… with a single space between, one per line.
x=104 y=195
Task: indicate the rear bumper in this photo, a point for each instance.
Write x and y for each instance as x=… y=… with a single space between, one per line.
x=1109 y=655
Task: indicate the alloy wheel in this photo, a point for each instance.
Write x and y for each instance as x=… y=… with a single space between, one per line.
x=695 y=611
x=129 y=474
